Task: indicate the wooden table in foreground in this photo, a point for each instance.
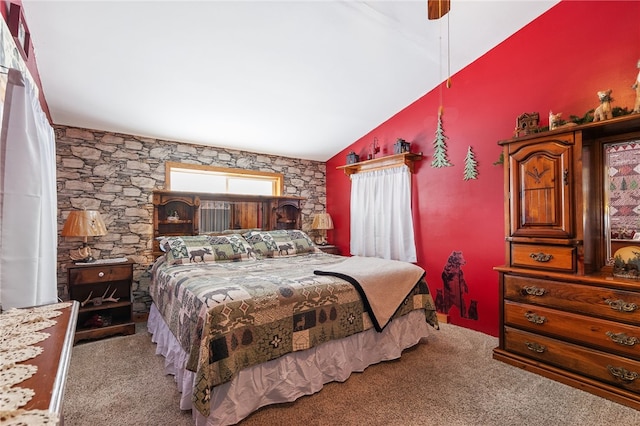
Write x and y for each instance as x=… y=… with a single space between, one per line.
x=53 y=364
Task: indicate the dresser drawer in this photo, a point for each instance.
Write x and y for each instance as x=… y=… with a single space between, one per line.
x=618 y=305
x=93 y=274
x=553 y=258
x=610 y=336
x=616 y=370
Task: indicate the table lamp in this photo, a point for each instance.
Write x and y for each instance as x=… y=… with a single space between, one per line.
x=83 y=223
x=322 y=222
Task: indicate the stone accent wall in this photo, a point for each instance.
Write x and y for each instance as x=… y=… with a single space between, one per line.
x=116 y=173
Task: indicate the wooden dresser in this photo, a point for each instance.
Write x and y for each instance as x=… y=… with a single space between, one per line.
x=563 y=313
x=48 y=383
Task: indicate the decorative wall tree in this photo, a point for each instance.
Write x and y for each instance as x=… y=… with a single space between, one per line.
x=440 y=152
x=470 y=165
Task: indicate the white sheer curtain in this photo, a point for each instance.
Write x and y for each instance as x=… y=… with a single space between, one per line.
x=381 y=219
x=28 y=199
x=215 y=216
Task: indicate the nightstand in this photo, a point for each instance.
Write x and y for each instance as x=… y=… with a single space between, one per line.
x=327 y=248
x=92 y=286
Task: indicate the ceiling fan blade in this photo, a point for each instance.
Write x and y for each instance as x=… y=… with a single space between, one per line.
x=436 y=9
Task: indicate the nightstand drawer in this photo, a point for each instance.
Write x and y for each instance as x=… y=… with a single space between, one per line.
x=558 y=258
x=98 y=274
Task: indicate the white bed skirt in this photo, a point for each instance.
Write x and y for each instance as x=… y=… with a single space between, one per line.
x=289 y=377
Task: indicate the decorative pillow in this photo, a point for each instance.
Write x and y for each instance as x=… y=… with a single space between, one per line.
x=162 y=242
x=280 y=243
x=207 y=249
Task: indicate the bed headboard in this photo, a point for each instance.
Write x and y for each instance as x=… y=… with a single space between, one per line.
x=178 y=213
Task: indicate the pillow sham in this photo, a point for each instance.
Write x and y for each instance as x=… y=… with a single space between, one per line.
x=162 y=243
x=207 y=249
x=280 y=243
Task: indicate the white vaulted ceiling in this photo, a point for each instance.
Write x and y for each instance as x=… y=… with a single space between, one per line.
x=301 y=79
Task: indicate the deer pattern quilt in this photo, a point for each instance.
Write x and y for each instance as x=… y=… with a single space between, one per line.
x=229 y=316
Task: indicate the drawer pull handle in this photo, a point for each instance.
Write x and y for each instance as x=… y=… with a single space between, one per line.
x=534 y=318
x=541 y=257
x=533 y=291
x=622 y=338
x=621 y=305
x=101 y=274
x=622 y=373
x=535 y=347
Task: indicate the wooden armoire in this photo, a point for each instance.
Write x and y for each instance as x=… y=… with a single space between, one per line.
x=564 y=314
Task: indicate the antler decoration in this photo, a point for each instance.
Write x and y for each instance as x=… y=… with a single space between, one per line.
x=97 y=301
x=84 y=302
x=110 y=298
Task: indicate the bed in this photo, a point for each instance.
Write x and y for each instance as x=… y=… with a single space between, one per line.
x=248 y=320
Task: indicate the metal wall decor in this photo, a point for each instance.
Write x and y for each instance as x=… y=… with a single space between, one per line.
x=470 y=165
x=440 y=146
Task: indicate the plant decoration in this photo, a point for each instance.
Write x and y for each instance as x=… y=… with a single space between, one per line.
x=500 y=159
x=586 y=118
x=470 y=165
x=440 y=152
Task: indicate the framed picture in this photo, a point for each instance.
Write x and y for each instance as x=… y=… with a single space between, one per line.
x=19 y=29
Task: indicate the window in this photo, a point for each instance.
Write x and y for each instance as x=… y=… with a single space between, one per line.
x=381 y=218
x=198 y=178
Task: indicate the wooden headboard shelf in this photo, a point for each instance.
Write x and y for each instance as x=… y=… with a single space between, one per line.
x=247 y=211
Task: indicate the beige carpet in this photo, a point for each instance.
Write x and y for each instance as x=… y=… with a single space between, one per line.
x=449 y=380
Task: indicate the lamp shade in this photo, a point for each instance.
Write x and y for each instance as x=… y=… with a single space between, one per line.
x=84 y=223
x=322 y=221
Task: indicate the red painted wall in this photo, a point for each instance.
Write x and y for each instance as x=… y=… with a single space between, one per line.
x=558 y=62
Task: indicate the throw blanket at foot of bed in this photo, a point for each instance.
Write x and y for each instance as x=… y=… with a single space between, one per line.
x=383 y=284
